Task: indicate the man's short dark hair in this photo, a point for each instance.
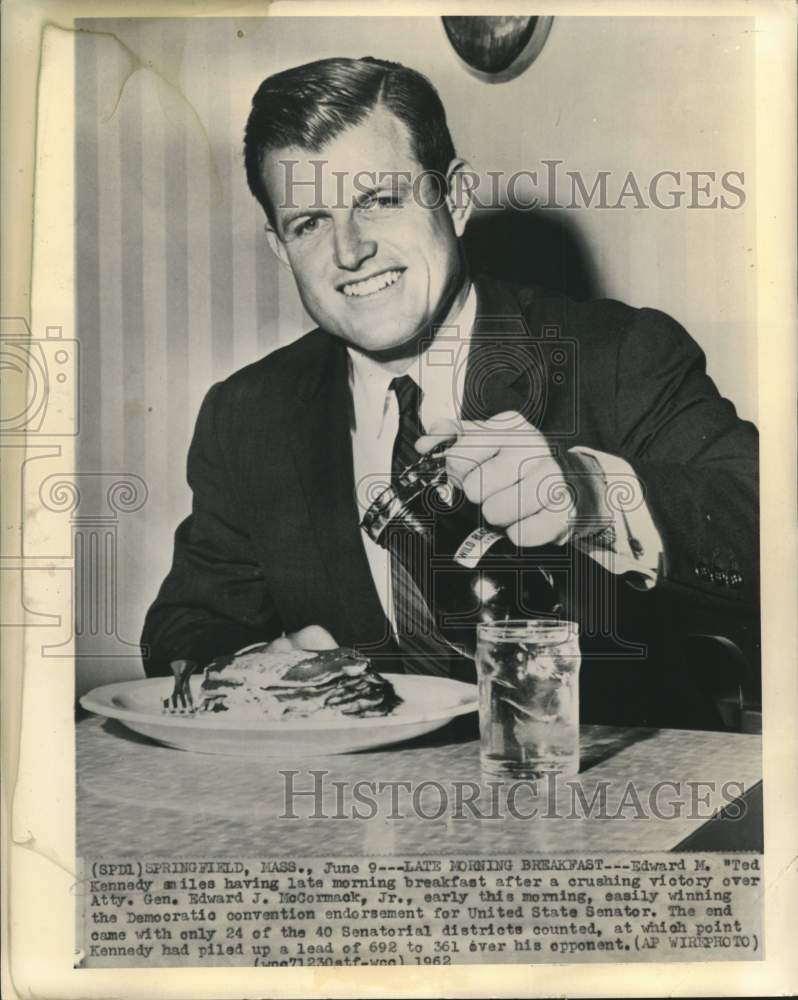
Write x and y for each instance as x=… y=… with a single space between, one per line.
x=309 y=105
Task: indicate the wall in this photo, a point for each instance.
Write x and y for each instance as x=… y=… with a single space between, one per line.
x=176 y=287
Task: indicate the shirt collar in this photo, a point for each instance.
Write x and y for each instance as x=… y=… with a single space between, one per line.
x=369 y=379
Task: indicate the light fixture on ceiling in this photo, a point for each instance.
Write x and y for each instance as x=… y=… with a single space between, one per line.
x=496 y=49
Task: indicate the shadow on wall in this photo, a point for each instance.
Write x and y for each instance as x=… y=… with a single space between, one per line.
x=531 y=248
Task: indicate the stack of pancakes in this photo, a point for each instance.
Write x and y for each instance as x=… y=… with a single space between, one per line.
x=294 y=684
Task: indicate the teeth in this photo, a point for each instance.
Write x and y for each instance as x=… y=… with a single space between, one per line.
x=371 y=285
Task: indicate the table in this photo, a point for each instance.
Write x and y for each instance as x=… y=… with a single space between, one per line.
x=136 y=798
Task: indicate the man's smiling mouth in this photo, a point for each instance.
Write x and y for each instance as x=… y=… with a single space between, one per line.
x=372 y=285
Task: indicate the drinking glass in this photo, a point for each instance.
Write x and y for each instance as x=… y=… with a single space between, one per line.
x=528 y=698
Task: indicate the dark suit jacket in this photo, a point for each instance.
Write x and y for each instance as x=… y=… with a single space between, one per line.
x=273 y=542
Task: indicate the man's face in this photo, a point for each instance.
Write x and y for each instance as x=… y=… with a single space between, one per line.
x=372 y=262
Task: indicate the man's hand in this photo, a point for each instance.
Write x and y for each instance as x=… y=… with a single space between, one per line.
x=310 y=637
x=512 y=475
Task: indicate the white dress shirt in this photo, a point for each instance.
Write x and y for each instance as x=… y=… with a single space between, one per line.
x=631 y=543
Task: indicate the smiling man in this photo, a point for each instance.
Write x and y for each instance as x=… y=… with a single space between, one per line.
x=366 y=203
x=373 y=264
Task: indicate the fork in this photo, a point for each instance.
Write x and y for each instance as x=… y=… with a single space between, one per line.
x=180 y=701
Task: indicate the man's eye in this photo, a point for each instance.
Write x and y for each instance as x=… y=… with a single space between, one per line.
x=306 y=228
x=381 y=201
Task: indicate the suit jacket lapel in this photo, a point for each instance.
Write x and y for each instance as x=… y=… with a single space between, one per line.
x=505 y=370
x=322 y=448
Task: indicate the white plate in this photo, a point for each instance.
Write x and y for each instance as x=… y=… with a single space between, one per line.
x=428 y=703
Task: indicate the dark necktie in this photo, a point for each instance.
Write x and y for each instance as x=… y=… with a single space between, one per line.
x=408 y=396
x=422 y=651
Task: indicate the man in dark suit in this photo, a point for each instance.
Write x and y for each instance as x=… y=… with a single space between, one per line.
x=354 y=167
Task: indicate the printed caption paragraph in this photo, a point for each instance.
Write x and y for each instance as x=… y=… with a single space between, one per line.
x=419 y=911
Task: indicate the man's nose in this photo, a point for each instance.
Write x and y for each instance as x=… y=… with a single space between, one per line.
x=351 y=250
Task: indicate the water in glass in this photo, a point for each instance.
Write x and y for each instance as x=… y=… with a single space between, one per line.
x=528 y=698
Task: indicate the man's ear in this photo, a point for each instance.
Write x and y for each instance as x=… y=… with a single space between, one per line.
x=460 y=181
x=276 y=244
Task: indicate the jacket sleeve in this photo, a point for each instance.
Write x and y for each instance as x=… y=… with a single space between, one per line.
x=214 y=599
x=695 y=458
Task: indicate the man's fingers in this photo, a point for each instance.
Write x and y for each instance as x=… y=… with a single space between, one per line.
x=440 y=430
x=497 y=473
x=504 y=428
x=462 y=458
x=547 y=527
x=539 y=482
x=465 y=461
x=508 y=506
x=528 y=480
x=480 y=442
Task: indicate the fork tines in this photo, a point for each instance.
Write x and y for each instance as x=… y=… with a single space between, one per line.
x=180 y=701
